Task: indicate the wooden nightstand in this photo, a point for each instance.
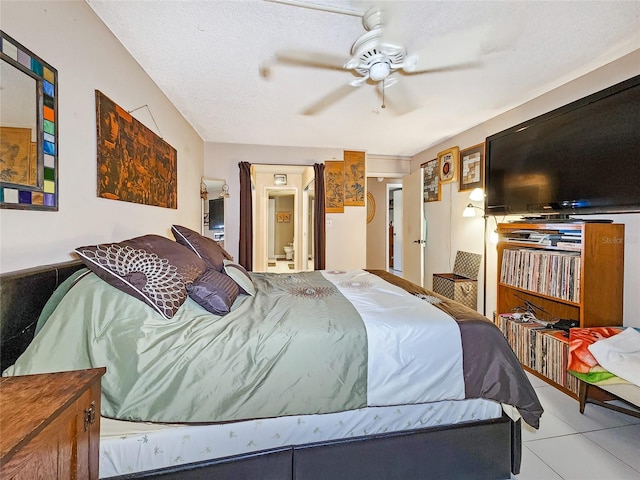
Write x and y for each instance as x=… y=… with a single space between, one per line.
x=50 y=425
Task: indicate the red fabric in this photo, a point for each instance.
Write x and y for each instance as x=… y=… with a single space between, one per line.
x=580 y=358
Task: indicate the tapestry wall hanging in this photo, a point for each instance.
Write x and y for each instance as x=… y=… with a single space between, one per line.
x=134 y=164
x=354 y=174
x=334 y=185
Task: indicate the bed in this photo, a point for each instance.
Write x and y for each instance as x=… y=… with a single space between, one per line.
x=389 y=410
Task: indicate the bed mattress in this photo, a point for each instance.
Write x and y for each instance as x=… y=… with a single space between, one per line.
x=128 y=447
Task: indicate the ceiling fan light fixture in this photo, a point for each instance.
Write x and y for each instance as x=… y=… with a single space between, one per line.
x=379 y=71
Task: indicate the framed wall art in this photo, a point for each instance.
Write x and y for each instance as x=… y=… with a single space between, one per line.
x=448 y=165
x=134 y=164
x=28 y=129
x=472 y=167
x=431 y=182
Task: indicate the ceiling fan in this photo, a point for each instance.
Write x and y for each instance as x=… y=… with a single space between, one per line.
x=376 y=56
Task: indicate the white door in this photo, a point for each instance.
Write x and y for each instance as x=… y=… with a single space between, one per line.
x=397 y=230
x=413 y=229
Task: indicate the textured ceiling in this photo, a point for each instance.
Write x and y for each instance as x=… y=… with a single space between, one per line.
x=206 y=56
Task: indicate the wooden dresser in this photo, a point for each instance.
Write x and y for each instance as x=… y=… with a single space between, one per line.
x=50 y=425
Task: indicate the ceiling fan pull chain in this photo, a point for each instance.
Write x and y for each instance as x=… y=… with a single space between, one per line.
x=383 y=105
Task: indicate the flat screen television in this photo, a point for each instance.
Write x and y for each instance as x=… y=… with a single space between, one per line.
x=581 y=158
x=216 y=213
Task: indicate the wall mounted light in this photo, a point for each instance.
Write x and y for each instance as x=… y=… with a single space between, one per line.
x=477 y=195
x=279 y=179
x=469 y=210
x=224 y=193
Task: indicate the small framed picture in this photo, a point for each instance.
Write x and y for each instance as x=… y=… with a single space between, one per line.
x=280 y=217
x=472 y=167
x=279 y=179
x=431 y=183
x=448 y=165
x=286 y=217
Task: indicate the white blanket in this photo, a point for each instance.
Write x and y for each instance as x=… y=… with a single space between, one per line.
x=415 y=349
x=620 y=354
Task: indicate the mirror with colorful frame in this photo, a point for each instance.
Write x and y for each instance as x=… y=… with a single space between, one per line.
x=28 y=129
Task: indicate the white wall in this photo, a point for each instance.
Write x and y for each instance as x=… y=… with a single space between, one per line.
x=448 y=231
x=346 y=232
x=70 y=37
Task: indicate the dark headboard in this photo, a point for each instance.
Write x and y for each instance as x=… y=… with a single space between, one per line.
x=23 y=294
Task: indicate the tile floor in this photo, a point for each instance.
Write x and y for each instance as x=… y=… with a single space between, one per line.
x=599 y=445
x=281 y=265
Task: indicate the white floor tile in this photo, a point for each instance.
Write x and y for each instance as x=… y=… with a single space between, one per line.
x=533 y=468
x=623 y=442
x=575 y=457
x=568 y=409
x=550 y=426
x=535 y=381
x=629 y=418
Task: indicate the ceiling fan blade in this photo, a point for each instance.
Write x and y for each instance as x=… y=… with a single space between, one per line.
x=448 y=68
x=392 y=29
x=394 y=94
x=329 y=99
x=451 y=50
x=312 y=59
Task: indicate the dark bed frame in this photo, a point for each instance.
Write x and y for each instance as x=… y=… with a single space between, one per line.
x=488 y=449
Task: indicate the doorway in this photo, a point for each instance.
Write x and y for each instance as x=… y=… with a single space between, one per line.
x=394 y=221
x=283 y=212
x=281 y=230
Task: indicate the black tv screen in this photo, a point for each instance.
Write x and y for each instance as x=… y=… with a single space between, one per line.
x=216 y=213
x=583 y=157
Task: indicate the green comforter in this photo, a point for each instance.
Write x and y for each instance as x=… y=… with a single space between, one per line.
x=263 y=359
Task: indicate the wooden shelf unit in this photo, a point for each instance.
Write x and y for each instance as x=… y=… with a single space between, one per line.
x=594 y=250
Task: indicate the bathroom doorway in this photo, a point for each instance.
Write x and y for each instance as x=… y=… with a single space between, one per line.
x=281 y=230
x=282 y=196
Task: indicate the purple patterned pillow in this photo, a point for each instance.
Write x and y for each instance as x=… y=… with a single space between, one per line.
x=205 y=247
x=150 y=268
x=214 y=291
x=240 y=276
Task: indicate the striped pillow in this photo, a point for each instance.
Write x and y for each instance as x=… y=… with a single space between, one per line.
x=214 y=291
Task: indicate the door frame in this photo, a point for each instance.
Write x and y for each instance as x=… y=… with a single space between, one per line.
x=389 y=196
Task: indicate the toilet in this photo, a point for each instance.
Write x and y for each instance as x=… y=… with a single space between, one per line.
x=288 y=251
